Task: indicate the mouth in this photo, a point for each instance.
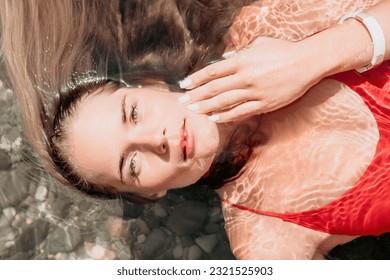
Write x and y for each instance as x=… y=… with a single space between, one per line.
x=186 y=141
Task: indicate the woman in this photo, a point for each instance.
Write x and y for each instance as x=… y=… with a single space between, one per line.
x=179 y=147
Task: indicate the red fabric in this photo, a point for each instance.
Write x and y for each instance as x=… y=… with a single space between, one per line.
x=365 y=208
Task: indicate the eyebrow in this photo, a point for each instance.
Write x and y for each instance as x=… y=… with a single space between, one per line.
x=123 y=108
x=121 y=159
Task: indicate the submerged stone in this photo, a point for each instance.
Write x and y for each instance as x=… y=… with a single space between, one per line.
x=155 y=243
x=188 y=217
x=207 y=242
x=33 y=235
x=5 y=160
x=62 y=240
x=194 y=253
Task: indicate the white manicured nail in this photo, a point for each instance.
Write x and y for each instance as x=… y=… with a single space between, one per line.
x=184 y=98
x=214 y=118
x=228 y=54
x=185 y=83
x=193 y=107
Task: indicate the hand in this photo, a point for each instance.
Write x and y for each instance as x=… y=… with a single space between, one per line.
x=268 y=75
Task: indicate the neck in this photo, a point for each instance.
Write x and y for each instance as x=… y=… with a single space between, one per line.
x=237 y=143
x=226 y=131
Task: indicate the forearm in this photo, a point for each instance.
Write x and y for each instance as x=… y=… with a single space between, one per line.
x=346 y=46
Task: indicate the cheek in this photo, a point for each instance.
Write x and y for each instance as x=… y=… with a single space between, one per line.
x=207 y=138
x=159 y=175
x=186 y=177
x=171 y=176
x=198 y=168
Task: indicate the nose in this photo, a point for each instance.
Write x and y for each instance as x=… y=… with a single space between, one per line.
x=156 y=141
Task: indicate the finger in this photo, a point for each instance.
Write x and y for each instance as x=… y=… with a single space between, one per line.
x=214 y=71
x=240 y=112
x=211 y=89
x=221 y=102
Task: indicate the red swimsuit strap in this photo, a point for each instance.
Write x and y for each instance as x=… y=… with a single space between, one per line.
x=256 y=211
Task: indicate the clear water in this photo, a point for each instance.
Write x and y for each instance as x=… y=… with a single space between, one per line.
x=41 y=220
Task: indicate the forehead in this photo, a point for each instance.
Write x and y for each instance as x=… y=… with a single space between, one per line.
x=92 y=131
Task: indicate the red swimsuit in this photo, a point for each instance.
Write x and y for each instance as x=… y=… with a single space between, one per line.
x=365 y=208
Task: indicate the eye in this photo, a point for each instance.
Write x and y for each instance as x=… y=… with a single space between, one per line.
x=134 y=113
x=133 y=166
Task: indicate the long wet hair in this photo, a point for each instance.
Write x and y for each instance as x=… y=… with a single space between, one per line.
x=56 y=52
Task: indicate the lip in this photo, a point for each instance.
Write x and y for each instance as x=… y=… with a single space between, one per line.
x=186 y=141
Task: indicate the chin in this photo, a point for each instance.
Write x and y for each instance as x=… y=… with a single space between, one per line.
x=200 y=167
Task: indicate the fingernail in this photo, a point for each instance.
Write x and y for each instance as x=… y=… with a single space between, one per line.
x=184 y=98
x=214 y=118
x=185 y=83
x=228 y=54
x=193 y=107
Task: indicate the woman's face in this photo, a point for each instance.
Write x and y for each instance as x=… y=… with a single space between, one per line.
x=140 y=140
